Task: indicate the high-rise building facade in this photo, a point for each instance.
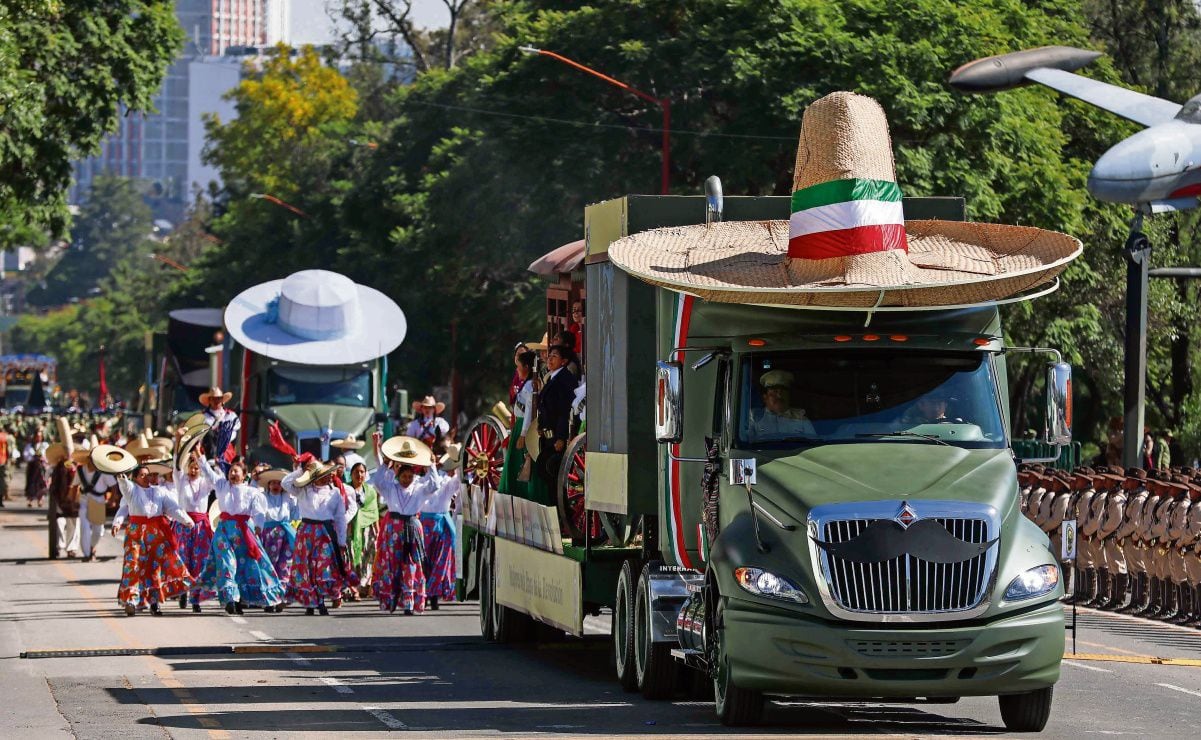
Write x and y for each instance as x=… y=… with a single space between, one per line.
x=162 y=148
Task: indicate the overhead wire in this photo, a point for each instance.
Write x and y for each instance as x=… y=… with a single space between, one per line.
x=589 y=124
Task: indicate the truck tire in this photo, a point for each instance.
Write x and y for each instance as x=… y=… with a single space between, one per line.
x=736 y=706
x=511 y=626
x=1026 y=712
x=653 y=663
x=623 y=628
x=487 y=593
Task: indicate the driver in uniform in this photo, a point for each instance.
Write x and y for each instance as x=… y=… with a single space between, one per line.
x=929 y=409
x=779 y=418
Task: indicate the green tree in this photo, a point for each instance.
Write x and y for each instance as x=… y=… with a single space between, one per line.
x=66 y=70
x=480 y=168
x=114 y=222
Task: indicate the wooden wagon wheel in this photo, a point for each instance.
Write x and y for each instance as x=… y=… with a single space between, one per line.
x=484 y=453
x=579 y=524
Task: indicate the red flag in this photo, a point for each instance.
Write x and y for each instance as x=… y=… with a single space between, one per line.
x=103 y=384
x=277 y=440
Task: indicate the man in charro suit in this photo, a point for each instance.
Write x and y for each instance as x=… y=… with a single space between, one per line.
x=554 y=413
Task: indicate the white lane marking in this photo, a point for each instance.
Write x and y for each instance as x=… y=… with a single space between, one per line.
x=1177 y=688
x=298 y=659
x=261 y=636
x=1074 y=664
x=238 y=620
x=389 y=721
x=336 y=685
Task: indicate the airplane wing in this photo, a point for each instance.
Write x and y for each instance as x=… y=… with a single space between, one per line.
x=1146 y=110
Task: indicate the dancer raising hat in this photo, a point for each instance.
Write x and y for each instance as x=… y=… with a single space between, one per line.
x=279 y=534
x=224 y=423
x=195 y=542
x=319 y=569
x=152 y=569
x=237 y=568
x=439 y=528
x=400 y=550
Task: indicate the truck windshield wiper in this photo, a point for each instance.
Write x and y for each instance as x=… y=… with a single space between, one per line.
x=929 y=437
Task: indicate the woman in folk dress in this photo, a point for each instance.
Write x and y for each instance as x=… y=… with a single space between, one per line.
x=152 y=569
x=319 y=567
x=36 y=483
x=439 y=529
x=364 y=528
x=399 y=576
x=192 y=492
x=238 y=569
x=278 y=530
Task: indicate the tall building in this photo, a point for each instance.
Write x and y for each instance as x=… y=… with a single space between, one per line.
x=162 y=149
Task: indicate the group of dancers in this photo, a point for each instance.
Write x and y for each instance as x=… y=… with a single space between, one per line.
x=388 y=531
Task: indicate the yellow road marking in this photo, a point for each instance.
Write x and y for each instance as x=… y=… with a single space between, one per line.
x=1108 y=647
x=177 y=689
x=1141 y=659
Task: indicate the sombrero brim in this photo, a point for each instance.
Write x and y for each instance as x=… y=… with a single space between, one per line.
x=187 y=443
x=421 y=455
x=380 y=331
x=315 y=474
x=274 y=474
x=948 y=263
x=113 y=460
x=206 y=397
x=343 y=444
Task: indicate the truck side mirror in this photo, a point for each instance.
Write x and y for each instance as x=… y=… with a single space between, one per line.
x=669 y=403
x=1059 y=404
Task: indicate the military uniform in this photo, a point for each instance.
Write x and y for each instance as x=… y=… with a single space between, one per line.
x=1192 y=553
x=1130 y=539
x=1113 y=563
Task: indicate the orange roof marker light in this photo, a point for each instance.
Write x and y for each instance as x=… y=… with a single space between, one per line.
x=870 y=337
x=842 y=338
x=757 y=342
x=899 y=337
x=981 y=341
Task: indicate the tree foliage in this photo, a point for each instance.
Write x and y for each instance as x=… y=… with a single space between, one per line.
x=127 y=298
x=442 y=191
x=66 y=69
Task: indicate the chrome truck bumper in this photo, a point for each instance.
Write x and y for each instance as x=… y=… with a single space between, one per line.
x=777 y=652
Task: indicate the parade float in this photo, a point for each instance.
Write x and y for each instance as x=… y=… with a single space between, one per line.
x=798 y=476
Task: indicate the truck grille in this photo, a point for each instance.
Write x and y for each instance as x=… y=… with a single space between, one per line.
x=907 y=584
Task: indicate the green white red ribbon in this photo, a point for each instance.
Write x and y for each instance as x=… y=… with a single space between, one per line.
x=844 y=217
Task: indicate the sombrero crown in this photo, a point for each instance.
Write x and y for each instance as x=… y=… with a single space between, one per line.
x=847 y=243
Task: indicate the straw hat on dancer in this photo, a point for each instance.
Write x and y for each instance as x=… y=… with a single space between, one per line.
x=847 y=244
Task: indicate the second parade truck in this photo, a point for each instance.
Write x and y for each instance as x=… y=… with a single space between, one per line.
x=879 y=554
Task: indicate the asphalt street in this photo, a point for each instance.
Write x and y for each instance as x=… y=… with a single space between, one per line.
x=359 y=671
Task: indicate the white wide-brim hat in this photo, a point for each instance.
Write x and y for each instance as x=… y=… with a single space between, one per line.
x=316 y=317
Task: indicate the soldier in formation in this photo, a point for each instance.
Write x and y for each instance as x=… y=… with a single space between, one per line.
x=1139 y=536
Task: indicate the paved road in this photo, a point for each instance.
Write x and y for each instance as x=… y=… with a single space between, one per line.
x=432 y=676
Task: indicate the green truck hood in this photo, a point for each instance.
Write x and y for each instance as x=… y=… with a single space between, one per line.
x=314 y=418
x=872 y=472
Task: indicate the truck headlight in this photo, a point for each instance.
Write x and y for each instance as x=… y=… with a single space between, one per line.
x=1034 y=582
x=765 y=583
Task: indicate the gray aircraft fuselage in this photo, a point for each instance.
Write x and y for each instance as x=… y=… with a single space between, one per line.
x=1156 y=164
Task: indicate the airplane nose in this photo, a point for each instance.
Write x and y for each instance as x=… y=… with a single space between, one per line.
x=1143 y=167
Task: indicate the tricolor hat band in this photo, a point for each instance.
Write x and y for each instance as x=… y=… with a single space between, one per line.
x=839 y=218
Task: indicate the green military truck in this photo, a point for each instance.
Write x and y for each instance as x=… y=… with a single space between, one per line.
x=872 y=554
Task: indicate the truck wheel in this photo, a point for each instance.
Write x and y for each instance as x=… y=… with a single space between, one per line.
x=623 y=628
x=511 y=625
x=487 y=593
x=736 y=707
x=653 y=663
x=1026 y=712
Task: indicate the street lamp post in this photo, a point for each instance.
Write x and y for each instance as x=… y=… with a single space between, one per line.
x=664 y=103
x=281 y=203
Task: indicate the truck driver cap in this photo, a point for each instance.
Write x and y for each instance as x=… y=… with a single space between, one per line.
x=776 y=379
x=847 y=243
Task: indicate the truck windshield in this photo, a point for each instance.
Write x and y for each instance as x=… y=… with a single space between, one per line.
x=823 y=397
x=339 y=386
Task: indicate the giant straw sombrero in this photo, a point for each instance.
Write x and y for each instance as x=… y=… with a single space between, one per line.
x=847 y=244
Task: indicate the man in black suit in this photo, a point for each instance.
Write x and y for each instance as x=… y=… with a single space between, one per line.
x=554 y=413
